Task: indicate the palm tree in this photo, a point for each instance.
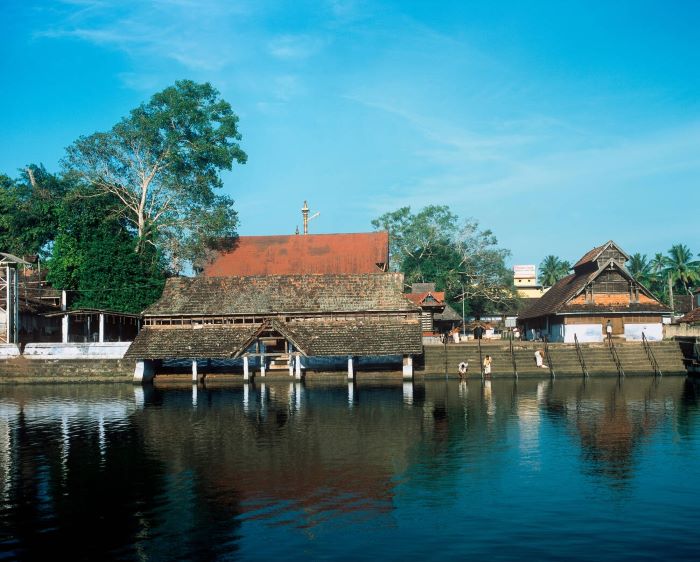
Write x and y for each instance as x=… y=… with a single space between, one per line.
x=658 y=264
x=681 y=268
x=639 y=266
x=552 y=269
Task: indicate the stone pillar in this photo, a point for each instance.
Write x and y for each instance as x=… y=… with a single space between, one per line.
x=262 y=365
x=102 y=328
x=351 y=367
x=194 y=370
x=246 y=372
x=407 y=367
x=297 y=367
x=144 y=371
x=64 y=318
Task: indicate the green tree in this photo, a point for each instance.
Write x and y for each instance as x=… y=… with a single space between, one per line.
x=461 y=259
x=552 y=269
x=162 y=163
x=94 y=257
x=682 y=269
x=640 y=268
x=28 y=211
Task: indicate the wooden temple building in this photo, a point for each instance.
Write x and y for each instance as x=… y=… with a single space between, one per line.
x=600 y=290
x=290 y=322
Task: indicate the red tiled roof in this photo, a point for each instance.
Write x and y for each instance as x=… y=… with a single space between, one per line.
x=693 y=317
x=593 y=254
x=418 y=298
x=365 y=252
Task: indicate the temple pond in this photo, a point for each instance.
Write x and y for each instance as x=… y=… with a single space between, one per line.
x=601 y=469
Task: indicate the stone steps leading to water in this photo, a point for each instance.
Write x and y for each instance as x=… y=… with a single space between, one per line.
x=564 y=359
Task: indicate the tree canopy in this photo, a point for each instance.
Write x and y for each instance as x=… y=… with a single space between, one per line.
x=552 y=269
x=433 y=245
x=162 y=163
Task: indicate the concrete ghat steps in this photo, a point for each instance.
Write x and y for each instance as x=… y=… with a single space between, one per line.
x=564 y=358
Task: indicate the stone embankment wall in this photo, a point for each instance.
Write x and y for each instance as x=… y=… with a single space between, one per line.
x=441 y=359
x=24 y=370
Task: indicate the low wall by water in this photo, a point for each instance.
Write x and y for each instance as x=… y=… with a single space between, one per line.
x=106 y=350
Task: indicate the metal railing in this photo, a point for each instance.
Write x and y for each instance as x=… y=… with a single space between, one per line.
x=650 y=355
x=581 y=360
x=512 y=357
x=549 y=357
x=616 y=358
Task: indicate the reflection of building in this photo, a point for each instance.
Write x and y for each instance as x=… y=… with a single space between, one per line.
x=525 y=281
x=598 y=292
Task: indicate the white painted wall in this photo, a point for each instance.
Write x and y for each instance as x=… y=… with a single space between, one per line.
x=107 y=350
x=9 y=350
x=653 y=332
x=584 y=332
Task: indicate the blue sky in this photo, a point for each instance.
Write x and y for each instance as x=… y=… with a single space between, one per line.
x=558 y=125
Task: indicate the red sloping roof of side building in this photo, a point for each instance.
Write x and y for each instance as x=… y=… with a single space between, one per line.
x=366 y=252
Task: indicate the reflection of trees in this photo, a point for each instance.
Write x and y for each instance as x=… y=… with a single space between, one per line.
x=611 y=417
x=72 y=489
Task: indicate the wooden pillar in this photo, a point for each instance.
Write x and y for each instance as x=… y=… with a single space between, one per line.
x=246 y=372
x=407 y=367
x=102 y=328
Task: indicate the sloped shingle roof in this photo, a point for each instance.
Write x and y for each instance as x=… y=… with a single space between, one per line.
x=201 y=342
x=279 y=294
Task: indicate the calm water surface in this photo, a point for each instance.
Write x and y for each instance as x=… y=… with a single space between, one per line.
x=565 y=469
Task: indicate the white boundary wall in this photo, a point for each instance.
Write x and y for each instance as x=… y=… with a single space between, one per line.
x=107 y=350
x=9 y=350
x=653 y=332
x=586 y=333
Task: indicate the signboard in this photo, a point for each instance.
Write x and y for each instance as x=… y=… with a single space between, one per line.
x=525 y=271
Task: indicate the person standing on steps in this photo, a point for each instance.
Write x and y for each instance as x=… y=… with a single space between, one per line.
x=487 y=366
x=608 y=329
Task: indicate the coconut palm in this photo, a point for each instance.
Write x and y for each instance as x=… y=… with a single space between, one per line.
x=681 y=268
x=640 y=268
x=552 y=269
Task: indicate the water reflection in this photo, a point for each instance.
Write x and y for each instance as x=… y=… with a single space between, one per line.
x=200 y=471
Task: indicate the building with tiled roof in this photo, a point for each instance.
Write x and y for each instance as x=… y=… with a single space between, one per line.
x=599 y=291
x=284 y=318
x=364 y=252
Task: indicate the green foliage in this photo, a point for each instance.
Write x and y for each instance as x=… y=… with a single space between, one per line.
x=162 y=163
x=552 y=269
x=683 y=271
x=28 y=211
x=94 y=257
x=461 y=259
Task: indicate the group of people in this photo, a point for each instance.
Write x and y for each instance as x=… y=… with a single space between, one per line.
x=463 y=368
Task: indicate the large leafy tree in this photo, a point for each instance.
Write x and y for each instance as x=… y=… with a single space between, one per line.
x=162 y=164
x=93 y=257
x=28 y=210
x=460 y=258
x=552 y=269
